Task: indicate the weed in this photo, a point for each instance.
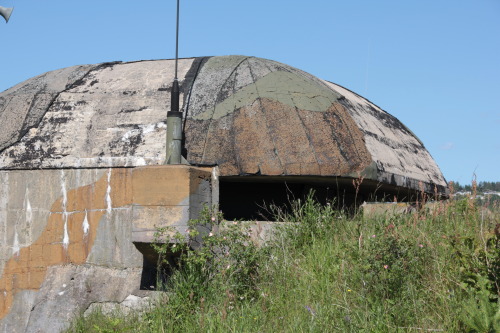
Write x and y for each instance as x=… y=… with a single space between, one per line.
x=481 y=313
x=390 y=263
x=427 y=271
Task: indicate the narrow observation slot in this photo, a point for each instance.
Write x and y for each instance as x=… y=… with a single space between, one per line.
x=253 y=198
x=256 y=201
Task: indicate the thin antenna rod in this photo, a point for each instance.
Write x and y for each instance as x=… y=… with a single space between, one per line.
x=177 y=41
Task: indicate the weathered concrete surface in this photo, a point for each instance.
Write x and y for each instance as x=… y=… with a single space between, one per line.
x=255 y=116
x=399 y=157
x=24 y=105
x=259 y=232
x=66 y=292
x=174 y=198
x=67 y=236
x=249 y=116
x=372 y=210
x=131 y=305
x=112 y=116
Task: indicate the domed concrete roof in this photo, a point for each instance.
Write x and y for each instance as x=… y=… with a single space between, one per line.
x=249 y=116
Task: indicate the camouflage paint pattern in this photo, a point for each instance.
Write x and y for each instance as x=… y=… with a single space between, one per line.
x=265 y=118
x=90 y=224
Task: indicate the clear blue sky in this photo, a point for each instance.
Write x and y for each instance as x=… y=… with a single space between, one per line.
x=434 y=64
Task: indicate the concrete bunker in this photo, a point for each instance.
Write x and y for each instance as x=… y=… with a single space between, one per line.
x=83 y=184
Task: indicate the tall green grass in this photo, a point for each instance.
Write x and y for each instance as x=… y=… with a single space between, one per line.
x=428 y=271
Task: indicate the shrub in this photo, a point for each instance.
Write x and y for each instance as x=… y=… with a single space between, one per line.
x=481 y=314
x=227 y=259
x=390 y=263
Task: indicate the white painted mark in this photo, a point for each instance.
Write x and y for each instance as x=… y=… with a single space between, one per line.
x=15 y=246
x=63 y=190
x=66 y=235
x=108 y=194
x=29 y=212
x=65 y=212
x=85 y=225
x=61 y=293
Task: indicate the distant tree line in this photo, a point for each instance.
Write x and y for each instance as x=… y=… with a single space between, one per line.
x=481 y=187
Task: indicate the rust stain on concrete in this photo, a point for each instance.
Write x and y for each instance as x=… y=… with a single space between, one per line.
x=141 y=186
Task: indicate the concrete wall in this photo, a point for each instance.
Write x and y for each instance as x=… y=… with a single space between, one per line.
x=67 y=236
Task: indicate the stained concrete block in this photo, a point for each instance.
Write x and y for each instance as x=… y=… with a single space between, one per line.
x=113 y=245
x=70 y=289
x=170 y=196
x=384 y=210
x=70 y=236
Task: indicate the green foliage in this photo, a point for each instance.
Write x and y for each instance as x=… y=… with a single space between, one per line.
x=478 y=258
x=481 y=313
x=307 y=221
x=432 y=270
x=224 y=269
x=481 y=186
x=390 y=262
x=228 y=258
x=97 y=322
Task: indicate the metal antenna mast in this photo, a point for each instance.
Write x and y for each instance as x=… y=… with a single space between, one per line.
x=174 y=116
